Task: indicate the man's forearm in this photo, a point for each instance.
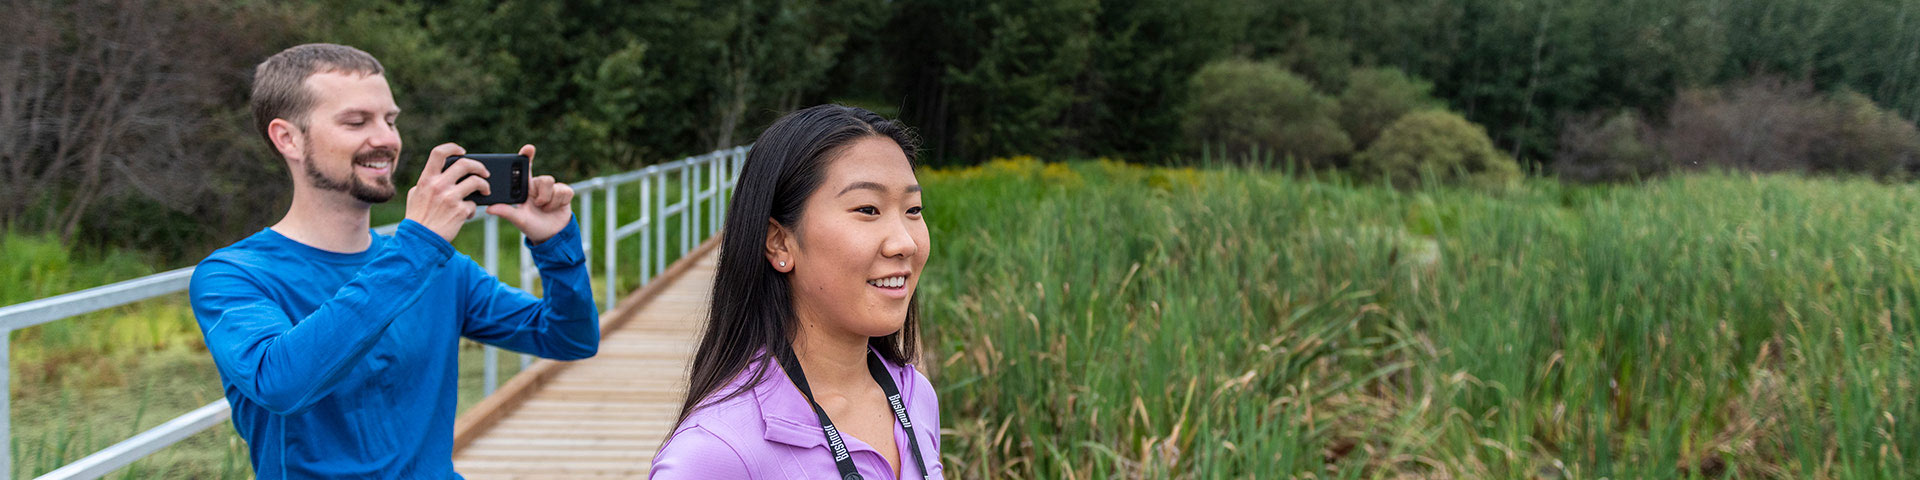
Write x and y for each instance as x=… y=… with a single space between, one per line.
x=568 y=290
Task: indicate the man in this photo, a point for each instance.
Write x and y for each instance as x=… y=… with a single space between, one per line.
x=338 y=347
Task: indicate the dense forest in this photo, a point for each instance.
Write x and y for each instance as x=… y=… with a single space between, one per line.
x=123 y=122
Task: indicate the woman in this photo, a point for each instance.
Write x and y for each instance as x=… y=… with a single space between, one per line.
x=803 y=370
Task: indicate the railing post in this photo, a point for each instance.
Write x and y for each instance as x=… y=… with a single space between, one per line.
x=713 y=192
x=613 y=244
x=492 y=253
x=646 y=219
x=686 y=206
x=660 y=228
x=6 y=402
x=739 y=165
x=735 y=158
x=726 y=173
x=693 y=206
x=586 y=234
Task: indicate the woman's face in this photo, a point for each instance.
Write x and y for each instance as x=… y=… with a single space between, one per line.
x=861 y=243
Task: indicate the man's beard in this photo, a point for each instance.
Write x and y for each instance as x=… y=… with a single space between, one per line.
x=378 y=192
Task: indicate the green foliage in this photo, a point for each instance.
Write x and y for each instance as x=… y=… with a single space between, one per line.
x=1607 y=148
x=1871 y=140
x=617 y=91
x=39 y=265
x=1375 y=97
x=598 y=85
x=603 y=85
x=434 y=83
x=1325 y=60
x=991 y=78
x=1519 y=66
x=1437 y=144
x=544 y=55
x=1147 y=53
x=1244 y=106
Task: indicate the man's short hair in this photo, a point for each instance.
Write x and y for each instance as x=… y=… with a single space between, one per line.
x=280 y=82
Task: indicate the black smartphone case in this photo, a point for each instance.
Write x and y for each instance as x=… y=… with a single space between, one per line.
x=507 y=177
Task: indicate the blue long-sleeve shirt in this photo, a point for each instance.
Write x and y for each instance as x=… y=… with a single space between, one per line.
x=343 y=365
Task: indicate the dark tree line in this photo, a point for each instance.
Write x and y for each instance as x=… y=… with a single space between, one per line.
x=118 y=120
x=1112 y=70
x=95 y=94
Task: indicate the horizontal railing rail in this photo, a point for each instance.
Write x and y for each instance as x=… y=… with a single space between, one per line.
x=704 y=181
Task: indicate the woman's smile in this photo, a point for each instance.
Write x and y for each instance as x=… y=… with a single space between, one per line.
x=893 y=285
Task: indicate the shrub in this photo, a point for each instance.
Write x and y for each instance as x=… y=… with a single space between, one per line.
x=1437 y=143
x=1869 y=140
x=1244 y=106
x=1375 y=97
x=1606 y=148
x=1765 y=125
x=1769 y=125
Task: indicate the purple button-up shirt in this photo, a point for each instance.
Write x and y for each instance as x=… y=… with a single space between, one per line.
x=771 y=433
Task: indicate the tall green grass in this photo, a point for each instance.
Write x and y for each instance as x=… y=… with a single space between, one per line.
x=84 y=383
x=1096 y=320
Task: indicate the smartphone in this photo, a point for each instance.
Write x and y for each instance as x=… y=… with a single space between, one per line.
x=506 y=176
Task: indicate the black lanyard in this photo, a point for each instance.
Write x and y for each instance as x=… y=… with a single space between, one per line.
x=841 y=458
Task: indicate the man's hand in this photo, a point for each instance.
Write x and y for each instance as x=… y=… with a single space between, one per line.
x=548 y=209
x=439 y=200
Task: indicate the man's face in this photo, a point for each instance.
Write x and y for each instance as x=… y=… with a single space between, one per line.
x=352 y=144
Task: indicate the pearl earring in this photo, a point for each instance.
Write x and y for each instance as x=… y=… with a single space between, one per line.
x=783 y=264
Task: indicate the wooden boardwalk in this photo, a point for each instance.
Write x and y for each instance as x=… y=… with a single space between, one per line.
x=602 y=417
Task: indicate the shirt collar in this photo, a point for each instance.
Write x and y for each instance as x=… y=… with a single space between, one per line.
x=788 y=417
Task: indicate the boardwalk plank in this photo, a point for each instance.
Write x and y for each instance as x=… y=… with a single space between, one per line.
x=601 y=417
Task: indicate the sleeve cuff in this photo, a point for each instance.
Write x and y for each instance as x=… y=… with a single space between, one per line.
x=563 y=249
x=420 y=245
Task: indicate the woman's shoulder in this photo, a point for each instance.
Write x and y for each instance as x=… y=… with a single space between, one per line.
x=731 y=409
x=922 y=387
x=695 y=451
x=718 y=438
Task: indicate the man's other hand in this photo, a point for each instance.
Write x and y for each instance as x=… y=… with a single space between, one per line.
x=548 y=209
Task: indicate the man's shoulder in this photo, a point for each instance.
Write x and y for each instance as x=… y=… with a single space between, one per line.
x=253 y=251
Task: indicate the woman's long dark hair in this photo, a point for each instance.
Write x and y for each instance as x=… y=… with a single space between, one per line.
x=751 y=310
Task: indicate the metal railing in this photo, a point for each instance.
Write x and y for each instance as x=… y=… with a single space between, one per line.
x=704 y=182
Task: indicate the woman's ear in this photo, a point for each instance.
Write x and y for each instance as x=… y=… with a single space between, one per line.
x=780 y=247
